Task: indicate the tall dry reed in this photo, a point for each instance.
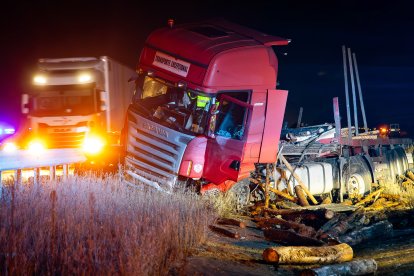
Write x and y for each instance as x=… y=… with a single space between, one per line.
x=90 y=225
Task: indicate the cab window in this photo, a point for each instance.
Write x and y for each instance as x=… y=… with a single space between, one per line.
x=231 y=118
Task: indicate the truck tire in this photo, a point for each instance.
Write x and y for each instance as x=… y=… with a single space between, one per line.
x=401 y=160
x=240 y=194
x=397 y=162
x=357 y=177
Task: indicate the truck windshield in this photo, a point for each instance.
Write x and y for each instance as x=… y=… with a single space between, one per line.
x=181 y=109
x=63 y=100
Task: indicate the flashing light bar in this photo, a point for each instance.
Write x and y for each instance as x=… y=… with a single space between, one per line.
x=7 y=131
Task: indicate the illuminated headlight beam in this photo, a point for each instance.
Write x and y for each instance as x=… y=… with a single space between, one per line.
x=40 y=79
x=93 y=145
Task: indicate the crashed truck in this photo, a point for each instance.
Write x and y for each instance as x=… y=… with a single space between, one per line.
x=207 y=113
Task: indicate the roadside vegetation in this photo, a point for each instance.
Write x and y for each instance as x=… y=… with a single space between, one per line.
x=90 y=225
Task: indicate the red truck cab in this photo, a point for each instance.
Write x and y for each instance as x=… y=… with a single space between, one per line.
x=206 y=106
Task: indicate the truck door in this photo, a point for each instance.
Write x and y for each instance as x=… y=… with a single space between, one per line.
x=225 y=148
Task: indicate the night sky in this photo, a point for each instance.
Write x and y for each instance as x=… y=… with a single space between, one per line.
x=379 y=32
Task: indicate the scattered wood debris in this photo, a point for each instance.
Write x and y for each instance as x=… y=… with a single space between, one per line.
x=224 y=232
x=230 y=221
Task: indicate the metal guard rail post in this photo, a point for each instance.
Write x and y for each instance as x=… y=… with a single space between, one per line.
x=23 y=159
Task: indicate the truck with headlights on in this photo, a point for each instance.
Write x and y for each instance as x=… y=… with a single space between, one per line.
x=79 y=103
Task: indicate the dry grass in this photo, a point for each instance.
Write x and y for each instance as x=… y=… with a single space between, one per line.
x=98 y=226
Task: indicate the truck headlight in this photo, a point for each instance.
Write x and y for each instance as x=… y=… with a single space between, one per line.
x=93 y=144
x=9 y=147
x=39 y=79
x=84 y=78
x=36 y=147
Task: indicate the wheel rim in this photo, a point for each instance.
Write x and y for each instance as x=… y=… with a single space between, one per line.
x=356 y=186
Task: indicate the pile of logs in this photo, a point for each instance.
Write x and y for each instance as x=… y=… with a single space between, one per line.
x=320 y=227
x=321 y=236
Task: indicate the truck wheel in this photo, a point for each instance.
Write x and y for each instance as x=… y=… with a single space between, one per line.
x=397 y=162
x=240 y=194
x=357 y=177
x=401 y=160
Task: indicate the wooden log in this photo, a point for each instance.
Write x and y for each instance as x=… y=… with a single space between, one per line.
x=276 y=191
x=407 y=184
x=354 y=220
x=281 y=194
x=314 y=218
x=294 y=213
x=289 y=237
x=301 y=196
x=308 y=254
x=396 y=198
x=289 y=167
x=379 y=229
x=287 y=205
x=224 y=232
x=326 y=200
x=384 y=205
x=229 y=221
x=328 y=225
x=378 y=203
x=355 y=267
x=369 y=197
x=298 y=227
x=410 y=175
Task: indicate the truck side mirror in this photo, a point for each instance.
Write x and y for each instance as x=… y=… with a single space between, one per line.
x=25 y=103
x=104 y=100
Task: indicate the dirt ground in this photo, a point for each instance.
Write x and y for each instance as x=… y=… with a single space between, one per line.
x=227 y=256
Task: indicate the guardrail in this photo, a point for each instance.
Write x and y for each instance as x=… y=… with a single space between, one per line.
x=24 y=159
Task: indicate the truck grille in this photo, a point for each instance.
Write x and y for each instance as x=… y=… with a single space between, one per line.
x=66 y=140
x=154 y=152
x=58 y=139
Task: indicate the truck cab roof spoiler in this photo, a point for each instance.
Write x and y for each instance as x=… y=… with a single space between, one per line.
x=69 y=63
x=265 y=39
